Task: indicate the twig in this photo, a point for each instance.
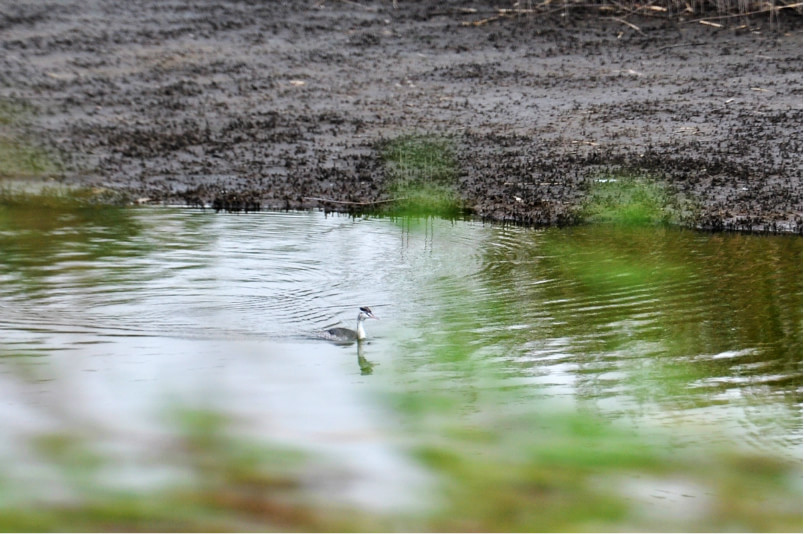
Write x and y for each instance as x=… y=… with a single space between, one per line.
x=481 y=21
x=679 y=45
x=320 y=3
x=632 y=26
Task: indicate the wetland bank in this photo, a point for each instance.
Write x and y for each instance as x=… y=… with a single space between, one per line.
x=289 y=105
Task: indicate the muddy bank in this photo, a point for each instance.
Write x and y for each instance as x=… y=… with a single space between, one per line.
x=280 y=105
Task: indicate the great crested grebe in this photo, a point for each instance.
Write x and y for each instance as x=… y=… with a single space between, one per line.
x=347 y=335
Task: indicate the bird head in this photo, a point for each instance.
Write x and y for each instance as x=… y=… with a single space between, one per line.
x=366 y=313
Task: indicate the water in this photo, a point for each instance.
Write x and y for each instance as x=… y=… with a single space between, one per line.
x=109 y=316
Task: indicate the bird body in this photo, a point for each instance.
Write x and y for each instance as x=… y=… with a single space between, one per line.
x=347 y=335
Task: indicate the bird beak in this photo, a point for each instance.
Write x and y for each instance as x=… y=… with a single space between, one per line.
x=374 y=317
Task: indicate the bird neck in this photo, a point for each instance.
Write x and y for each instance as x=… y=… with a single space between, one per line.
x=361 y=333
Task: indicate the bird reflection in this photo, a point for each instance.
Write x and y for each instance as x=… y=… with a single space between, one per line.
x=366 y=367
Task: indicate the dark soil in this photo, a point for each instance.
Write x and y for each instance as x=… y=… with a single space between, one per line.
x=281 y=104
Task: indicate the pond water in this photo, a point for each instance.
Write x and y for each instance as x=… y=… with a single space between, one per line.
x=108 y=316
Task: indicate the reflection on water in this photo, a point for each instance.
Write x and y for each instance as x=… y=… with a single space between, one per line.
x=123 y=316
x=108 y=315
x=655 y=323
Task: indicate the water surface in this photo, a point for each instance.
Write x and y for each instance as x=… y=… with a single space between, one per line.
x=109 y=316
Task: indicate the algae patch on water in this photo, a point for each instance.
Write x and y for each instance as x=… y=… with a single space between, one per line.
x=422 y=171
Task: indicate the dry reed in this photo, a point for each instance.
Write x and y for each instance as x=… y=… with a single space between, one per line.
x=700 y=11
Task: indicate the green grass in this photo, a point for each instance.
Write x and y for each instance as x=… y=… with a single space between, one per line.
x=629 y=200
x=422 y=171
x=28 y=195
x=497 y=471
x=230 y=484
x=21 y=157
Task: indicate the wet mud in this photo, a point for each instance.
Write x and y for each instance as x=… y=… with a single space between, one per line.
x=246 y=105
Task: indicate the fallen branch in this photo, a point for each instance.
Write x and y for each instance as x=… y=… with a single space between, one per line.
x=632 y=26
x=481 y=21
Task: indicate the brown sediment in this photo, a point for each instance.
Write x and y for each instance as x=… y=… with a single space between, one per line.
x=249 y=105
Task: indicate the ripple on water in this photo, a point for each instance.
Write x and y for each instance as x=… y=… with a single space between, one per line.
x=641 y=325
